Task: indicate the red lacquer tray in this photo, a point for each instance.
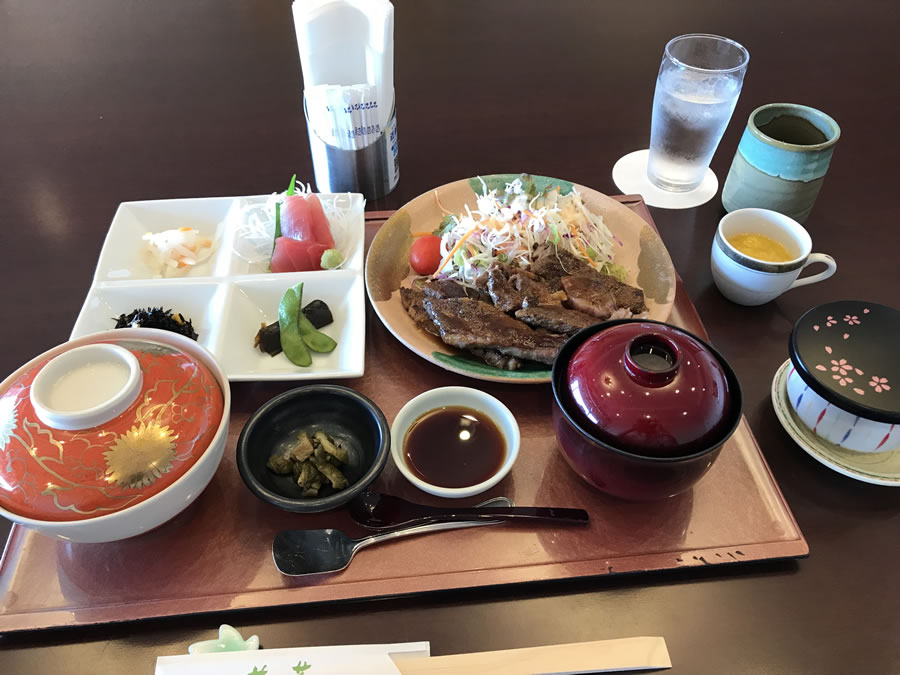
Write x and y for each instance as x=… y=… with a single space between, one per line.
x=216 y=555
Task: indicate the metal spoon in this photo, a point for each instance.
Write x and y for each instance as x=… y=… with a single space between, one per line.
x=301 y=552
x=377 y=511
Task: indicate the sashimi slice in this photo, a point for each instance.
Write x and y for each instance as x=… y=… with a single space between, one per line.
x=290 y=255
x=303 y=218
x=315 y=254
x=298 y=251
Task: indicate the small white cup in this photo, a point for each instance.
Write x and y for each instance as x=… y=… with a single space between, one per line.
x=749 y=281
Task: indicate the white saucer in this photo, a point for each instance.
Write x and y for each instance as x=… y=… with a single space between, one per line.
x=630 y=176
x=879 y=468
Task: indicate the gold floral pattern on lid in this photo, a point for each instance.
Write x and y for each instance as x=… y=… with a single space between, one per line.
x=140 y=455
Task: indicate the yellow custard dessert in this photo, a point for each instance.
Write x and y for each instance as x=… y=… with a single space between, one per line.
x=761 y=247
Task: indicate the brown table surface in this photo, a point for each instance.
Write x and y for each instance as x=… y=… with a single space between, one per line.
x=104 y=101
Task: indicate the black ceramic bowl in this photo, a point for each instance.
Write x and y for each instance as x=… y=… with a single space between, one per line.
x=346 y=416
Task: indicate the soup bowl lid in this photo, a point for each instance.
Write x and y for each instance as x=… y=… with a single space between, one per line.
x=846 y=352
x=93 y=427
x=650 y=389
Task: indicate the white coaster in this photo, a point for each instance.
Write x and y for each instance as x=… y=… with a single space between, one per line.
x=630 y=176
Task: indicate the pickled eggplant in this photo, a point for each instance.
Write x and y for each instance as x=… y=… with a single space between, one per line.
x=318 y=313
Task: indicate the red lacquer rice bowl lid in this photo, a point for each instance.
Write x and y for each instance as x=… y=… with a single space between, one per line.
x=103 y=426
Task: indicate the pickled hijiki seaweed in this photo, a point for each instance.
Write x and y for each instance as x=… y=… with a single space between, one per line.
x=157 y=317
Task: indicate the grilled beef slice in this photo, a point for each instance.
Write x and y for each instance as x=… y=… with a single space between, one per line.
x=412 y=300
x=555 y=263
x=512 y=288
x=472 y=324
x=601 y=295
x=448 y=288
x=506 y=297
x=535 y=290
x=555 y=318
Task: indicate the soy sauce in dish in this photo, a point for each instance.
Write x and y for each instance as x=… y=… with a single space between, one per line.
x=454 y=447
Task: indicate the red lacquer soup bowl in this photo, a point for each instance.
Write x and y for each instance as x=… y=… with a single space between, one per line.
x=110 y=435
x=641 y=408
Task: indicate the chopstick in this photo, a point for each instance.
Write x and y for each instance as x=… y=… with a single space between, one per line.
x=637 y=653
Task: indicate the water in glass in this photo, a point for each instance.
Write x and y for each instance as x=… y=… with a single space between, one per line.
x=691 y=108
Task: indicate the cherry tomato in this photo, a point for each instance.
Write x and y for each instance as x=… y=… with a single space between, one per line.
x=425 y=254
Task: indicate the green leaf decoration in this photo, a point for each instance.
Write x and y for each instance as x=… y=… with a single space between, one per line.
x=257 y=671
x=480 y=368
x=277 y=219
x=290 y=190
x=447 y=223
x=301 y=667
x=277 y=228
x=498 y=182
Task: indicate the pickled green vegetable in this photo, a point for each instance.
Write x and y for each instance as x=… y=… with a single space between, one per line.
x=292 y=343
x=316 y=341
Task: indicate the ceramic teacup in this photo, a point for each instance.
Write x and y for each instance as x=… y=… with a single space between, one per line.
x=750 y=281
x=781 y=160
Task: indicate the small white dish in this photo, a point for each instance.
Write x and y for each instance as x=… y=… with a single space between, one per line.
x=254 y=301
x=227 y=297
x=443 y=397
x=203 y=302
x=122 y=257
x=630 y=176
x=881 y=468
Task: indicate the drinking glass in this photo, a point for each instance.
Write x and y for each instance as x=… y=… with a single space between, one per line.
x=698 y=85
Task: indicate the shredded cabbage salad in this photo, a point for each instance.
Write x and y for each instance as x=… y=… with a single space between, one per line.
x=517 y=225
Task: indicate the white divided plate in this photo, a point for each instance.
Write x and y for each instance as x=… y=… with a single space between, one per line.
x=226 y=297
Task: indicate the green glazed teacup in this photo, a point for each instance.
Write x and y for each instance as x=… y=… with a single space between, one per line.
x=781 y=160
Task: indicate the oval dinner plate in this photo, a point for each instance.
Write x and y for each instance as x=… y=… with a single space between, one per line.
x=641 y=252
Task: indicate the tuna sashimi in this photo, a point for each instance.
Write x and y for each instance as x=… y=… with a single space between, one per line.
x=302 y=218
x=291 y=255
x=315 y=251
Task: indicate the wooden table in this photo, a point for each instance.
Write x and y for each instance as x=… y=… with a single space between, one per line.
x=105 y=101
